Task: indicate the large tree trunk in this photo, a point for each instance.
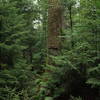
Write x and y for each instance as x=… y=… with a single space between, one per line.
x=54 y=31
x=54 y=26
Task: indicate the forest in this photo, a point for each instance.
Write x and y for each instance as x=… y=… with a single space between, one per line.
x=49 y=49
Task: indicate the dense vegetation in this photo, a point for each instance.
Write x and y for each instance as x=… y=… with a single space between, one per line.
x=49 y=50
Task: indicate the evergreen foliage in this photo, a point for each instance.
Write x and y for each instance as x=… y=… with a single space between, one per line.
x=28 y=71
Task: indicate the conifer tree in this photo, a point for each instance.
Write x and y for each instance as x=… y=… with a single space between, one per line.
x=12 y=29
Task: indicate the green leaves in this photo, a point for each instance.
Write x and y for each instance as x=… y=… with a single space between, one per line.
x=15 y=81
x=93 y=76
x=94 y=82
x=48 y=98
x=75 y=98
x=24 y=71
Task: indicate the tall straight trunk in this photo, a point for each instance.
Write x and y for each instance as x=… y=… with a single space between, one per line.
x=54 y=26
x=54 y=31
x=71 y=25
x=30 y=55
x=71 y=22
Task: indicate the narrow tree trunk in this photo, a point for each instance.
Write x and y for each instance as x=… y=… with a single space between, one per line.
x=71 y=25
x=30 y=55
x=71 y=22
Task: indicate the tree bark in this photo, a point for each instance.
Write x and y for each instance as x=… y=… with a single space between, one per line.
x=54 y=26
x=71 y=26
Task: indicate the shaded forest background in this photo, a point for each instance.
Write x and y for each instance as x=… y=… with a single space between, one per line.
x=49 y=50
